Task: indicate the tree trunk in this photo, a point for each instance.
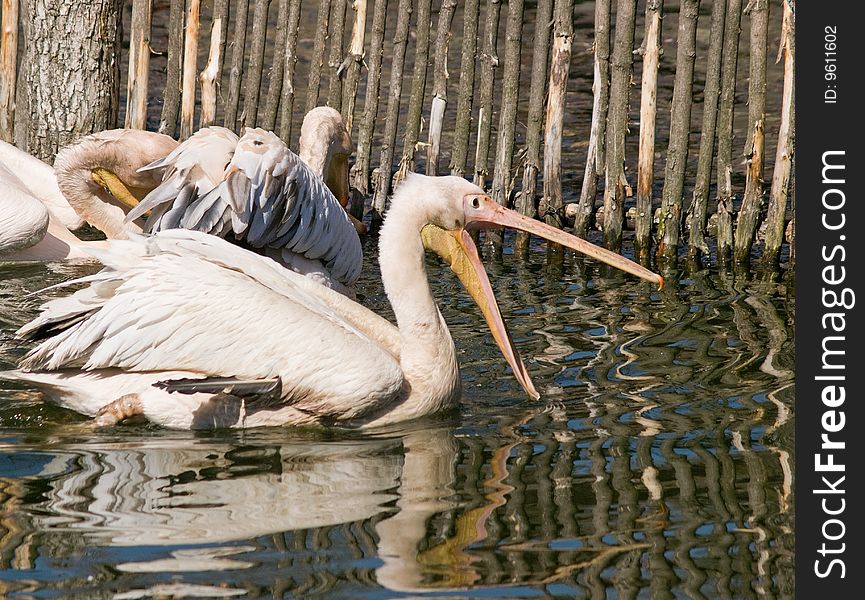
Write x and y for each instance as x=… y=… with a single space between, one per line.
x=211 y=76
x=174 y=60
x=252 y=89
x=440 y=85
x=317 y=61
x=8 y=68
x=240 y=14
x=286 y=104
x=334 y=57
x=190 y=67
x=139 y=66
x=352 y=63
x=489 y=61
x=462 y=128
x=67 y=46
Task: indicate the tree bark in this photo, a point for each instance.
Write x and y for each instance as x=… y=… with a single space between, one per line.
x=8 y=68
x=286 y=104
x=139 y=66
x=353 y=62
x=238 y=44
x=440 y=85
x=489 y=61
x=69 y=84
x=211 y=75
x=190 y=68
x=334 y=60
x=252 y=89
x=317 y=61
x=174 y=62
x=267 y=117
x=462 y=128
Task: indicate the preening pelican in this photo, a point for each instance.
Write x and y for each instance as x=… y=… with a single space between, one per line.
x=193 y=332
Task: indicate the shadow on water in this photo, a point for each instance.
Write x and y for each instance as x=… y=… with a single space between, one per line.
x=657 y=463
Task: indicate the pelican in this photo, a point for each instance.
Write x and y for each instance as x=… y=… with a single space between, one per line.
x=190 y=331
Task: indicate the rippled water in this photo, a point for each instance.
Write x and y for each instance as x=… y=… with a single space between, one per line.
x=656 y=464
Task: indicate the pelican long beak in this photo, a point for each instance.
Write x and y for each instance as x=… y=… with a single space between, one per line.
x=483 y=211
x=458 y=249
x=115 y=186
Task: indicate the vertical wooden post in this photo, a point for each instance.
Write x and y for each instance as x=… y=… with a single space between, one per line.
x=174 y=61
x=596 y=159
x=190 y=68
x=286 y=104
x=651 y=52
x=724 y=170
x=267 y=117
x=617 y=124
x=400 y=42
x=238 y=45
x=211 y=75
x=252 y=89
x=489 y=61
x=540 y=56
x=440 y=84
x=139 y=66
x=361 y=169
x=462 y=128
x=334 y=60
x=784 y=153
x=353 y=62
x=680 y=131
x=317 y=61
x=746 y=224
x=8 y=68
x=711 y=91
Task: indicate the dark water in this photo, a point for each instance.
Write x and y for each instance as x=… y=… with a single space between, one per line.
x=657 y=464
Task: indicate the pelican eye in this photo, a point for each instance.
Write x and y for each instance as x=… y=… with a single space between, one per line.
x=476 y=203
x=258 y=142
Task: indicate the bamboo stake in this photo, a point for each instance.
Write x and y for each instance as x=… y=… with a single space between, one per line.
x=238 y=43
x=360 y=170
x=540 y=54
x=595 y=161
x=212 y=73
x=400 y=42
x=174 y=60
x=249 y=116
x=418 y=90
x=680 y=130
x=267 y=117
x=337 y=17
x=617 y=124
x=462 y=128
x=784 y=153
x=489 y=61
x=724 y=170
x=139 y=66
x=190 y=68
x=440 y=85
x=699 y=203
x=8 y=68
x=317 y=60
x=286 y=105
x=651 y=52
x=746 y=223
x=352 y=63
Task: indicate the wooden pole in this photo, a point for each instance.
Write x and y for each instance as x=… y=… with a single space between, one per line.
x=784 y=153
x=352 y=63
x=190 y=68
x=697 y=213
x=337 y=32
x=746 y=224
x=139 y=66
x=211 y=75
x=651 y=52
x=174 y=61
x=267 y=117
x=540 y=56
x=360 y=172
x=462 y=128
x=238 y=44
x=680 y=131
x=440 y=85
x=252 y=89
x=400 y=42
x=596 y=161
x=8 y=68
x=489 y=61
x=317 y=60
x=286 y=104
x=617 y=124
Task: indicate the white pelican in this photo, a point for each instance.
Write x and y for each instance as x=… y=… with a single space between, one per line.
x=193 y=332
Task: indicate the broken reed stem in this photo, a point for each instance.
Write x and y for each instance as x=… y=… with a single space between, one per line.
x=286 y=104
x=211 y=75
x=400 y=42
x=680 y=130
x=697 y=213
x=334 y=60
x=8 y=68
x=489 y=61
x=317 y=60
x=724 y=169
x=440 y=84
x=174 y=60
x=267 y=117
x=651 y=52
x=238 y=43
x=752 y=201
x=462 y=128
x=139 y=66
x=360 y=172
x=249 y=116
x=617 y=124
x=540 y=55
x=352 y=63
x=785 y=151
x=190 y=68
x=595 y=161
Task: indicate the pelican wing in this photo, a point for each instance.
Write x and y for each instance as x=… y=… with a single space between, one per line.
x=257 y=189
x=186 y=301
